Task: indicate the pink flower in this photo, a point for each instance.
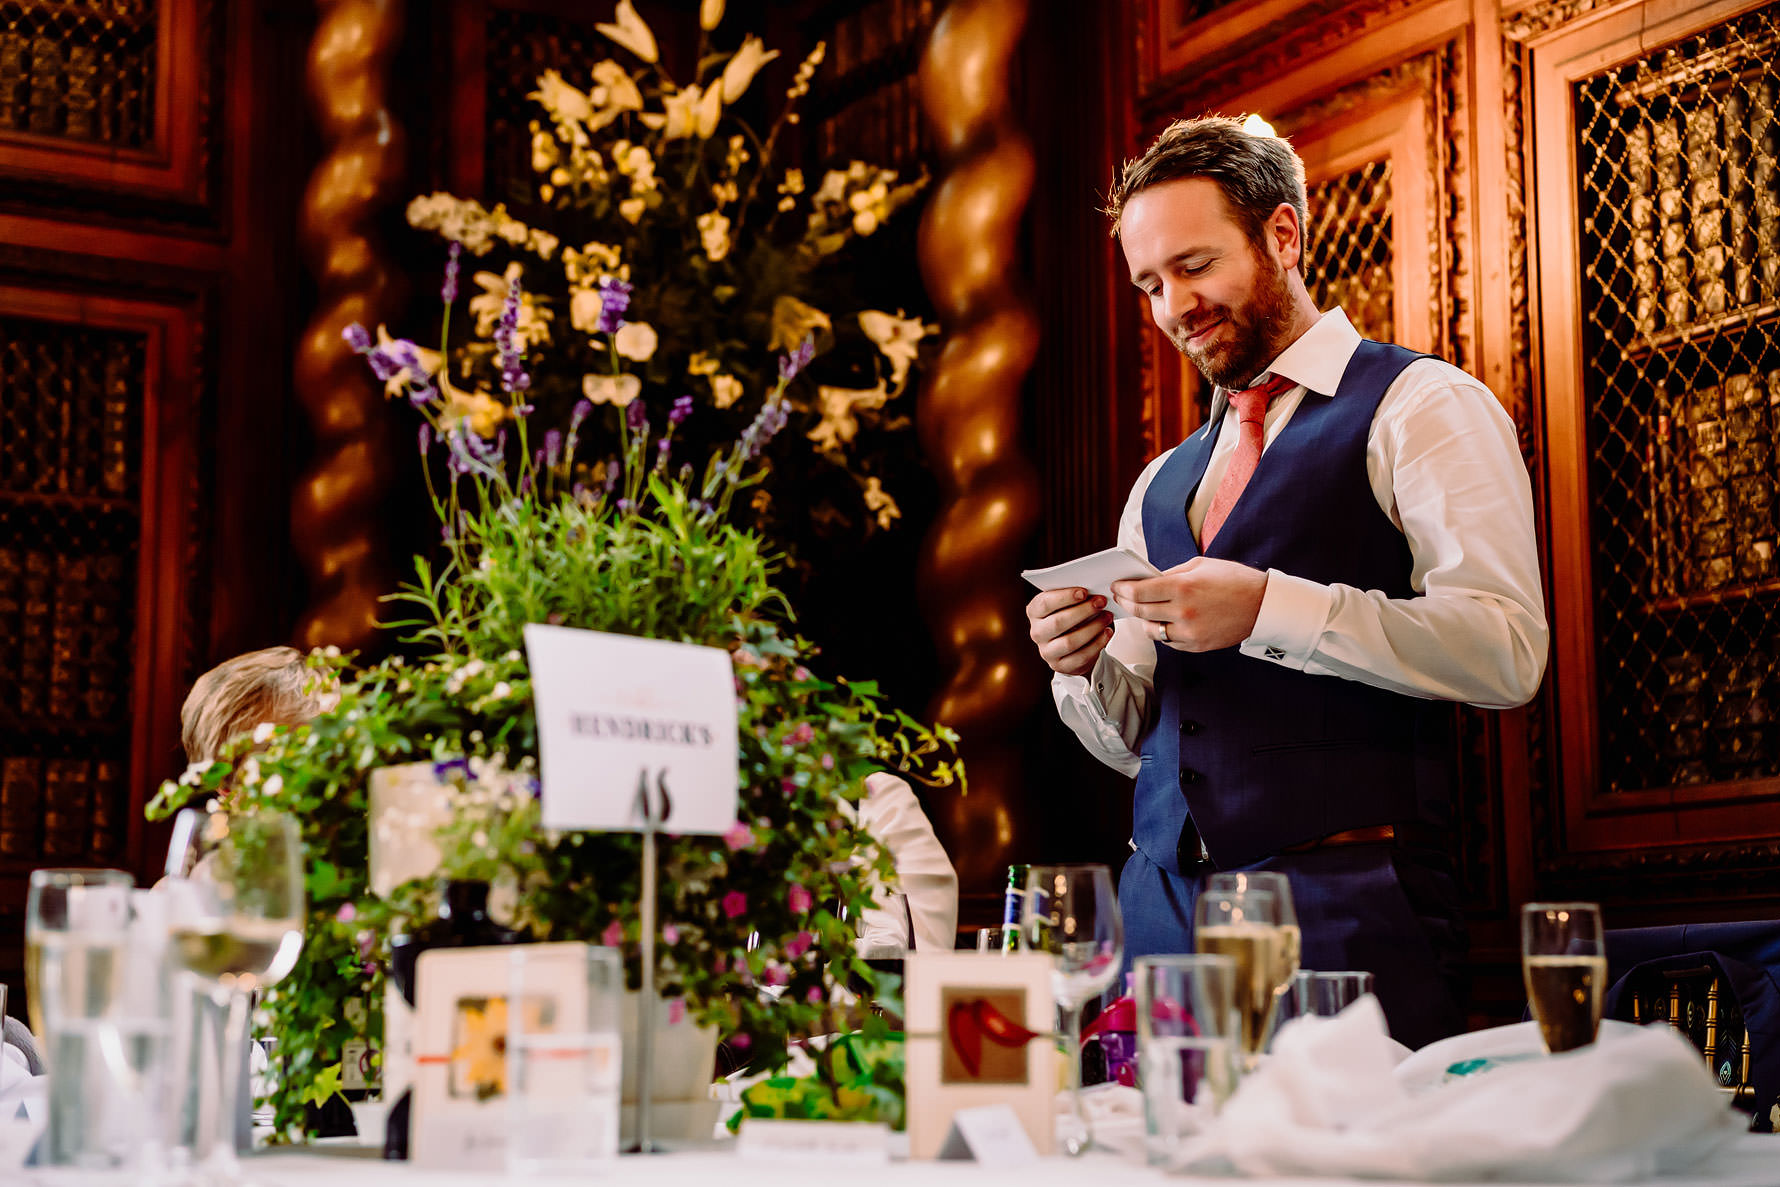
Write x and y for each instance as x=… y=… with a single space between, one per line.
x=721 y=964
x=788 y=785
x=347 y=913
x=814 y=996
x=741 y=1042
x=800 y=673
x=367 y=940
x=776 y=974
x=734 y=903
x=798 y=899
x=676 y=1011
x=670 y=935
x=613 y=935
x=798 y=945
x=803 y=735
x=739 y=836
x=828 y=762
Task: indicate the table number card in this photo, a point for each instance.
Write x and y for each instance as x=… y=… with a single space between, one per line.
x=614 y=710
x=980 y=1036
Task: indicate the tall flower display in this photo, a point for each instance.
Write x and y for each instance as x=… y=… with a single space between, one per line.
x=637 y=174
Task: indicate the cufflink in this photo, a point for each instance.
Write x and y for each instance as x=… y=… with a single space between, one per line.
x=1276 y=654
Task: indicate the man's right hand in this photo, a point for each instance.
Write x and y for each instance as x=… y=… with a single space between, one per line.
x=1070 y=628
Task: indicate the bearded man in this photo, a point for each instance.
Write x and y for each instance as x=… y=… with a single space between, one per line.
x=1346 y=546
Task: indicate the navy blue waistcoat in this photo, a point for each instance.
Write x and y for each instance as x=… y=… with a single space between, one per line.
x=1263 y=756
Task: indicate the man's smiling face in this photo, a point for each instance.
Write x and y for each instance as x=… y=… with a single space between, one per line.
x=1222 y=300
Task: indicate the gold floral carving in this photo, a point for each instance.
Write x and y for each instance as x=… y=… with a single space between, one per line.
x=336 y=508
x=969 y=421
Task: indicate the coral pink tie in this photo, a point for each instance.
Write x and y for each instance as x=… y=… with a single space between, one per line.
x=1251 y=432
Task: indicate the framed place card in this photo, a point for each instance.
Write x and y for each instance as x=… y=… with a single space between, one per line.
x=613 y=711
x=979 y=1034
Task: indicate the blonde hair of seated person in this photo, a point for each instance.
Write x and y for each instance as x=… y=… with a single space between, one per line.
x=240 y=694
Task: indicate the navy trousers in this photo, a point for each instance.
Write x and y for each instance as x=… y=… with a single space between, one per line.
x=1394 y=913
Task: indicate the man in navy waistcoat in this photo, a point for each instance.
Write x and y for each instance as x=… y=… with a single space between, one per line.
x=1346 y=548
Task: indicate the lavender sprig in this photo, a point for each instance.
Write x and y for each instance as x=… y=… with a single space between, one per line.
x=614 y=300
x=506 y=341
x=449 y=290
x=797 y=360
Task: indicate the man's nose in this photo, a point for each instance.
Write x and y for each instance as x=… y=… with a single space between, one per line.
x=1180 y=301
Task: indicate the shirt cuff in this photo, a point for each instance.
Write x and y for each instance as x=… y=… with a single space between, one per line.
x=1080 y=688
x=1293 y=615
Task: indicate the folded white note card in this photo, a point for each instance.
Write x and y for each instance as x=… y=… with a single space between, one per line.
x=1094 y=573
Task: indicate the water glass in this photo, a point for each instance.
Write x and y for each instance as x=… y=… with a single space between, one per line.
x=989 y=939
x=1564 y=961
x=1324 y=995
x=1187 y=1030
x=563 y=1059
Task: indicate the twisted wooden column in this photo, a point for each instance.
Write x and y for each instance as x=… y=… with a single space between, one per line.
x=969 y=420
x=337 y=509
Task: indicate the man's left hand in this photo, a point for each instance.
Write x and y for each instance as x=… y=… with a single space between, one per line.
x=1202 y=605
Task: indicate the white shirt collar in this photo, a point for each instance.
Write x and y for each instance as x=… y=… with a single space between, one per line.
x=1317 y=359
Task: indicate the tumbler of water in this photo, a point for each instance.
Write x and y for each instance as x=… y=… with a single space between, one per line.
x=563 y=1059
x=1187 y=1036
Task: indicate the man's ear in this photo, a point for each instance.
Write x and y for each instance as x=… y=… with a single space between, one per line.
x=1286 y=236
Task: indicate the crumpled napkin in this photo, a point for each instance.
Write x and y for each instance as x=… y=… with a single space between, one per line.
x=1329 y=1103
x=22 y=1107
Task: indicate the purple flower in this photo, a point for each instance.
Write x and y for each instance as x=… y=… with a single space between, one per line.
x=357 y=337
x=814 y=997
x=421 y=394
x=426 y=438
x=624 y=506
x=449 y=291
x=798 y=899
x=611 y=475
x=613 y=935
x=614 y=300
x=670 y=934
x=741 y=1042
x=775 y=974
x=797 y=360
x=347 y=913
x=734 y=904
x=798 y=945
x=636 y=416
x=680 y=411
x=801 y=735
x=552 y=447
x=506 y=341
x=383 y=364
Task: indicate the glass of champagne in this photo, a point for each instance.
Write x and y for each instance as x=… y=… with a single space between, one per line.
x=236 y=882
x=1291 y=949
x=1244 y=925
x=67 y=912
x=1563 y=956
x=1072 y=912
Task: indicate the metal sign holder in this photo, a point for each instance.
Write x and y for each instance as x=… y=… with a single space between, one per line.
x=652 y=821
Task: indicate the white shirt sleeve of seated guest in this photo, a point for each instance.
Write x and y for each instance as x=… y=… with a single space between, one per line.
x=893 y=816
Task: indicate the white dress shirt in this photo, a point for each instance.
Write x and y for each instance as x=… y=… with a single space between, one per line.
x=1443 y=463
x=924 y=874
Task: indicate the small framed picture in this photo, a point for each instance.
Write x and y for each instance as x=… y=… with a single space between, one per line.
x=981 y=1031
x=464 y=1011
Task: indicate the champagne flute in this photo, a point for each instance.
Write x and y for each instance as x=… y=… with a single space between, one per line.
x=236 y=883
x=1292 y=948
x=1563 y=957
x=1245 y=926
x=1072 y=912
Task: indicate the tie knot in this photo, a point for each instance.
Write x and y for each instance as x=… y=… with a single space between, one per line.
x=1251 y=402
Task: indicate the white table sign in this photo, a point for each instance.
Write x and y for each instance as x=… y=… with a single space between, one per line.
x=990 y=1134
x=614 y=709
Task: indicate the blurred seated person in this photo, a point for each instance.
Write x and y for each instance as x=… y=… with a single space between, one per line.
x=239 y=695
x=269 y=686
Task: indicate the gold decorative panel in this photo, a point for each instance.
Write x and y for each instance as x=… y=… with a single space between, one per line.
x=1679 y=213
x=79 y=70
x=1350 y=256
x=71 y=402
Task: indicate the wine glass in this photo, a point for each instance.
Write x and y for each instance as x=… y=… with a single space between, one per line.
x=1563 y=957
x=1292 y=949
x=235 y=883
x=1245 y=926
x=1072 y=912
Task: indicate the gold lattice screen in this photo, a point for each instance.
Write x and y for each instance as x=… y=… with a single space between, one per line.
x=1350 y=248
x=79 y=69
x=1680 y=216
x=70 y=418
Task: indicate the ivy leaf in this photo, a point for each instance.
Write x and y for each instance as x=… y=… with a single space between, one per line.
x=324 y=880
x=323 y=1087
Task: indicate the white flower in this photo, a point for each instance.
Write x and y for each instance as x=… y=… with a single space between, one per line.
x=631 y=209
x=584 y=310
x=534 y=319
x=793 y=321
x=631 y=32
x=617 y=390
x=725 y=390
x=262 y=733
x=878 y=499
x=635 y=340
x=688 y=112
x=897 y=338
x=501 y=691
x=710 y=14
x=839 y=426
x=713 y=232
x=561 y=98
x=273 y=786
x=621 y=91
x=701 y=364
x=742 y=68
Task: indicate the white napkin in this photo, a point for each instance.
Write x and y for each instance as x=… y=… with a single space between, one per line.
x=22 y=1105
x=1329 y=1103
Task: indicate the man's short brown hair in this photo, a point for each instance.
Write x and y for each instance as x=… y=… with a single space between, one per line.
x=1256 y=172
x=238 y=694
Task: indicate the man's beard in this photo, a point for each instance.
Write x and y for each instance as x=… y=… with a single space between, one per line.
x=1256 y=329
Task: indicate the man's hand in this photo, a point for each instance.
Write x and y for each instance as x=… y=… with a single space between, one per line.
x=1202 y=605
x=1070 y=628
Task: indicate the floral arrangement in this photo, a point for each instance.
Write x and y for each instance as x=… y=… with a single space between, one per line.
x=753 y=935
x=637 y=174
